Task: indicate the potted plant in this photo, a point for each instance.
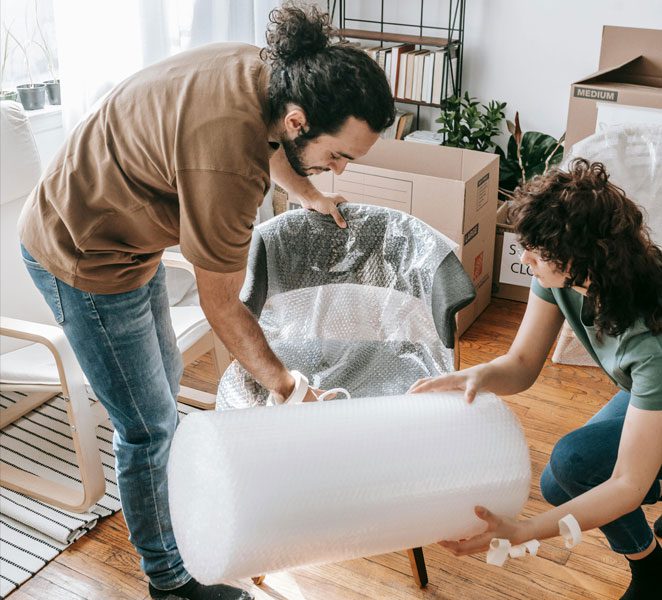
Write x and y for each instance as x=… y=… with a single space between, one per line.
x=526 y=156
x=32 y=95
x=5 y=94
x=53 y=84
x=468 y=124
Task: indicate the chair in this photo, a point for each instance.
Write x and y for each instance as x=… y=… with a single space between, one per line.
x=36 y=357
x=370 y=308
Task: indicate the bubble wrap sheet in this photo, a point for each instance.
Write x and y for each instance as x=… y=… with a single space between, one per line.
x=276 y=487
x=369 y=308
x=632 y=155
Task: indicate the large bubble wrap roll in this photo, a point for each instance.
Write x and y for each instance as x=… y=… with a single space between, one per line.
x=270 y=488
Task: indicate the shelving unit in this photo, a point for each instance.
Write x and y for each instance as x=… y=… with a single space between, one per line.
x=453 y=38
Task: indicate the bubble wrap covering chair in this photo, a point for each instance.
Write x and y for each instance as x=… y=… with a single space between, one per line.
x=369 y=308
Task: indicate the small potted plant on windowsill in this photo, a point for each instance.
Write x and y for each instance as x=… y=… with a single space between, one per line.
x=5 y=94
x=53 y=84
x=32 y=95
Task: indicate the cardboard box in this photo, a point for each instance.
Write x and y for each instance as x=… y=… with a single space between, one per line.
x=629 y=77
x=627 y=87
x=512 y=279
x=452 y=190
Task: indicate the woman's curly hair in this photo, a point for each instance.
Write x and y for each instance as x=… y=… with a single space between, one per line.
x=331 y=82
x=580 y=221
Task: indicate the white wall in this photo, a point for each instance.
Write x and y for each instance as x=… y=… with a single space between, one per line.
x=523 y=52
x=528 y=52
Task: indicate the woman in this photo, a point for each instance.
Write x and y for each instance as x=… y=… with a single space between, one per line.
x=595 y=265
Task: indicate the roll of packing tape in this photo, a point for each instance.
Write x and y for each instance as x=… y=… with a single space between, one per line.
x=570 y=531
x=299 y=392
x=334 y=392
x=501 y=549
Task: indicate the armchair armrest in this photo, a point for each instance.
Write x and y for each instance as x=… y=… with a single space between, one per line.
x=81 y=419
x=71 y=375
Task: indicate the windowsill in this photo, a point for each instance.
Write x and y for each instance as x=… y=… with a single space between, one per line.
x=48 y=118
x=49 y=109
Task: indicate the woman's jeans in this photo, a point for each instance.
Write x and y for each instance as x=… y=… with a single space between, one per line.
x=128 y=351
x=584 y=459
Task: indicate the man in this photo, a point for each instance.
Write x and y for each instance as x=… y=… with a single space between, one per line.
x=183 y=152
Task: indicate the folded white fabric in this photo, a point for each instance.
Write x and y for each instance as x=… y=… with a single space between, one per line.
x=275 y=487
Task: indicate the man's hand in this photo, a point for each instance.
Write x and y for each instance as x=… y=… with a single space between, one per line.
x=470 y=381
x=497 y=527
x=312 y=395
x=326 y=204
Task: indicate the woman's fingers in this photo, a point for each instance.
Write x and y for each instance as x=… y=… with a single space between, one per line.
x=436 y=384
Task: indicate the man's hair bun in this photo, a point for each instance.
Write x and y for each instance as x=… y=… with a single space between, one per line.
x=296 y=32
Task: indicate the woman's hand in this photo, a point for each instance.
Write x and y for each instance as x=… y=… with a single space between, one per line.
x=326 y=204
x=470 y=381
x=497 y=527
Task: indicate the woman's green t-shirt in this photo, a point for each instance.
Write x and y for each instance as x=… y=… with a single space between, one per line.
x=633 y=359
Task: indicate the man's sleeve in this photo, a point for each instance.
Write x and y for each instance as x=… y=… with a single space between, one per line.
x=216 y=215
x=541 y=292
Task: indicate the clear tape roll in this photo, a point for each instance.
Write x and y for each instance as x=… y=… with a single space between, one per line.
x=299 y=391
x=271 y=488
x=570 y=531
x=500 y=550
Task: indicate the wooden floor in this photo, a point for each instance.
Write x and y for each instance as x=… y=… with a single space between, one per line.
x=103 y=564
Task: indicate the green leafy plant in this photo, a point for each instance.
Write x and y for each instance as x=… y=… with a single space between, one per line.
x=466 y=123
x=527 y=155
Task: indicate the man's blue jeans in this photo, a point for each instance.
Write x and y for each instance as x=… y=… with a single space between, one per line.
x=127 y=349
x=584 y=459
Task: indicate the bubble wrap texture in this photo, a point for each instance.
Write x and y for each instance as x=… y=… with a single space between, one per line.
x=272 y=488
x=349 y=307
x=632 y=155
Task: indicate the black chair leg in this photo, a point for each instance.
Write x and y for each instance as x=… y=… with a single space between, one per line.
x=417 y=562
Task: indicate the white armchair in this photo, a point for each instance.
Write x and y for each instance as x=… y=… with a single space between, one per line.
x=36 y=358
x=26 y=325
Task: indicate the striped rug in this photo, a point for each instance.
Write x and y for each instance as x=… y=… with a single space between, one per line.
x=33 y=533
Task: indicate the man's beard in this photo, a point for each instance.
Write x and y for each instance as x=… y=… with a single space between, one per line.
x=294 y=152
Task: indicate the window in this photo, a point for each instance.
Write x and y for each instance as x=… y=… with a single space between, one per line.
x=29 y=49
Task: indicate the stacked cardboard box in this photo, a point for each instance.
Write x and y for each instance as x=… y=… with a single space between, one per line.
x=626 y=88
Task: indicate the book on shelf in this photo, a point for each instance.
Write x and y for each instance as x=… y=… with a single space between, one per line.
x=400 y=127
x=411 y=59
x=438 y=75
x=426 y=76
x=402 y=74
x=387 y=66
x=417 y=86
x=404 y=125
x=425 y=137
x=371 y=51
x=428 y=64
x=396 y=58
x=383 y=54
